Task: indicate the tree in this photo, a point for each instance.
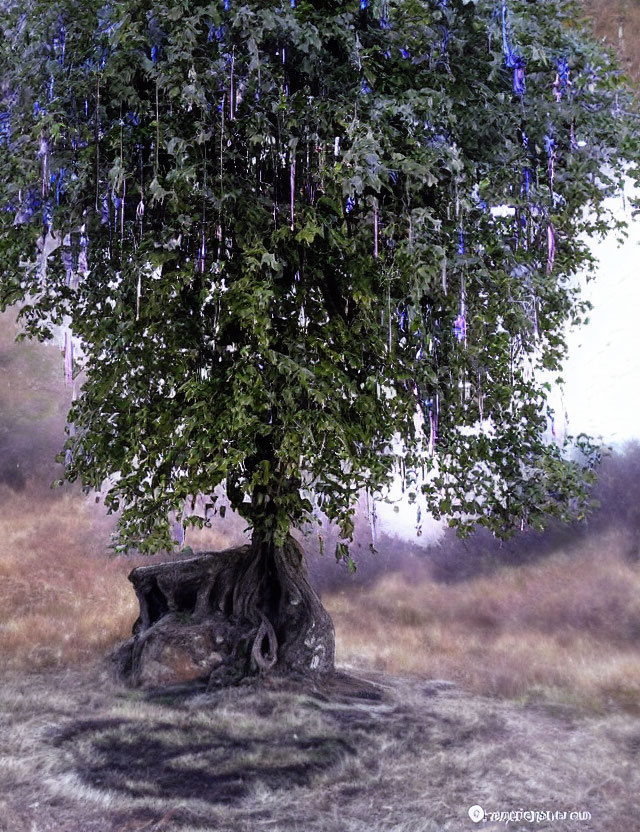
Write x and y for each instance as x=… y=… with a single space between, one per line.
x=278 y=231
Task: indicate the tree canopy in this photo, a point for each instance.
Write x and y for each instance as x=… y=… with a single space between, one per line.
x=283 y=233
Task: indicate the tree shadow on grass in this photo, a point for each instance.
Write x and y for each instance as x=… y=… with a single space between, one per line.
x=174 y=761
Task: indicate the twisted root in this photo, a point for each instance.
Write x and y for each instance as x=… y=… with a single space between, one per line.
x=265 y=661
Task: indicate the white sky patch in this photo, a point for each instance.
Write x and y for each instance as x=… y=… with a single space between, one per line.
x=602 y=371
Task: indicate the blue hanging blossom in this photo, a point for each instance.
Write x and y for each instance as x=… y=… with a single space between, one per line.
x=350 y=204
x=562 y=83
x=31 y=205
x=405 y=53
x=226 y=4
x=363 y=4
x=5 y=128
x=511 y=58
x=549 y=144
x=365 y=89
x=461 y=244
x=563 y=71
x=59 y=44
x=293 y=4
x=56 y=183
x=156 y=36
x=526 y=182
x=509 y=54
x=216 y=33
x=444 y=44
x=47 y=215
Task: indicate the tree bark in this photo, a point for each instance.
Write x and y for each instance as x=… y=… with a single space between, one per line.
x=223 y=616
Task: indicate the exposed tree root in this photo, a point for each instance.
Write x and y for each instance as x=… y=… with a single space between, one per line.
x=222 y=616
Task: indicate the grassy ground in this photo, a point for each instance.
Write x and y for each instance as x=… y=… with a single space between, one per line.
x=78 y=754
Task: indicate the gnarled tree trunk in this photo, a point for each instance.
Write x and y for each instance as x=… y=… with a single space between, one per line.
x=223 y=616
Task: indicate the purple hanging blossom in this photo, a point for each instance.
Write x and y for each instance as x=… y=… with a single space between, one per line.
x=519 y=81
x=460 y=327
x=67 y=262
x=350 y=205
x=292 y=191
x=550 y=147
x=461 y=243
x=551 y=246
x=104 y=214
